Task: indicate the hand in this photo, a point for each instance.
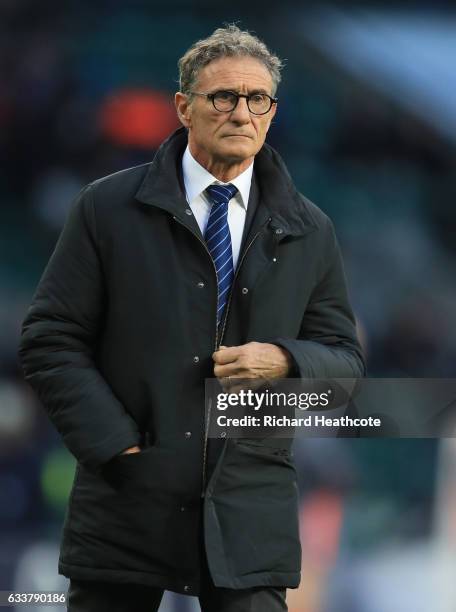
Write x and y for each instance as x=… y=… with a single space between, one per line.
x=255 y=360
x=132 y=449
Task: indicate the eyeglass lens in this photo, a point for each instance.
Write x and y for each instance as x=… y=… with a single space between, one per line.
x=257 y=103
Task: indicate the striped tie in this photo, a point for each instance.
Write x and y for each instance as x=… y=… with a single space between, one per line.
x=218 y=240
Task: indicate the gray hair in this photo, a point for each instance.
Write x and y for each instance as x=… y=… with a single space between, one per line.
x=229 y=41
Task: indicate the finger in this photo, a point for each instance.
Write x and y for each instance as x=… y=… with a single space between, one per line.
x=221 y=371
x=245 y=384
x=226 y=355
x=252 y=384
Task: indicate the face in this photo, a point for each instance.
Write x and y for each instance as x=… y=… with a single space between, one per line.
x=226 y=137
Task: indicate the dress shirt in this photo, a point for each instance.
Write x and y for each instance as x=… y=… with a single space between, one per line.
x=197 y=179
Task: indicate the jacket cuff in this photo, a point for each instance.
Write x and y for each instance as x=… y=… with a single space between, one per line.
x=294 y=368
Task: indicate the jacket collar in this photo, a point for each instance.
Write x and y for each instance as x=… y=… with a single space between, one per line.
x=289 y=210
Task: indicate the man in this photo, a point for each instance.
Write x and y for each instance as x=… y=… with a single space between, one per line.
x=206 y=262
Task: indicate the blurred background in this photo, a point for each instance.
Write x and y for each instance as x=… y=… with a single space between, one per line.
x=367 y=126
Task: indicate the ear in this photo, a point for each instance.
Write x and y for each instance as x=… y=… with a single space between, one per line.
x=273 y=111
x=270 y=116
x=183 y=108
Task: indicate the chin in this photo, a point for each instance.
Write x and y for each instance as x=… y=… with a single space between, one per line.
x=238 y=151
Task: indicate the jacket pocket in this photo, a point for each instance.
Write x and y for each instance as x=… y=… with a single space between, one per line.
x=255 y=502
x=133 y=469
x=127 y=516
x=155 y=470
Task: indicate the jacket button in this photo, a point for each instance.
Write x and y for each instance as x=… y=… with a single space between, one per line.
x=279 y=230
x=188 y=434
x=186 y=588
x=245 y=290
x=196 y=359
x=200 y=285
x=188 y=211
x=274 y=259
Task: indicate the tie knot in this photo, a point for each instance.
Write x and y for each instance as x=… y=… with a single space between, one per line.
x=221 y=193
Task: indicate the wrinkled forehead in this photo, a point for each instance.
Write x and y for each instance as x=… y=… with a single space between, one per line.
x=243 y=74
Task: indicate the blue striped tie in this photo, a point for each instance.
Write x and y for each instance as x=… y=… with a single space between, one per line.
x=218 y=240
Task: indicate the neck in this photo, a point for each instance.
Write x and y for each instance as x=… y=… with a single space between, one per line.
x=223 y=170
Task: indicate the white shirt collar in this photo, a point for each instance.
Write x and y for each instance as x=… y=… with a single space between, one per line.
x=197 y=179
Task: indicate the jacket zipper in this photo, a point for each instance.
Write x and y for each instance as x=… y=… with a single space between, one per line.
x=206 y=431
x=206 y=421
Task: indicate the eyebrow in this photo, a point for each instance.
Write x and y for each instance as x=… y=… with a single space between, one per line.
x=250 y=93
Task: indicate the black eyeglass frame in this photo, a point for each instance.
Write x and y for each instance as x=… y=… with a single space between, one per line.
x=211 y=96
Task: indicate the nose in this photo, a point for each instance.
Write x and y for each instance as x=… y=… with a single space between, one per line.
x=241 y=113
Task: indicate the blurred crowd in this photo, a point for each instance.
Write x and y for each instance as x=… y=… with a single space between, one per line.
x=86 y=90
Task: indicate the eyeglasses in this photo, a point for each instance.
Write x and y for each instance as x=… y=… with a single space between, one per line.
x=226 y=101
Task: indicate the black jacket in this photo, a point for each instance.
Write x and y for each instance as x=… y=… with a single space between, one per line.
x=117 y=343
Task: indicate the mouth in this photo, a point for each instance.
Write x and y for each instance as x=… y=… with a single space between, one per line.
x=237 y=136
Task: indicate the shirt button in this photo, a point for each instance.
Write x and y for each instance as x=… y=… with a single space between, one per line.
x=188 y=211
x=188 y=434
x=200 y=285
x=196 y=359
x=274 y=259
x=183 y=508
x=186 y=588
x=244 y=290
x=279 y=230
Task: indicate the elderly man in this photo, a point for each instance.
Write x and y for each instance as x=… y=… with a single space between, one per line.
x=206 y=262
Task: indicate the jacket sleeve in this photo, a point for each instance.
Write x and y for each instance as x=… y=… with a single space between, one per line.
x=327 y=344
x=58 y=341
